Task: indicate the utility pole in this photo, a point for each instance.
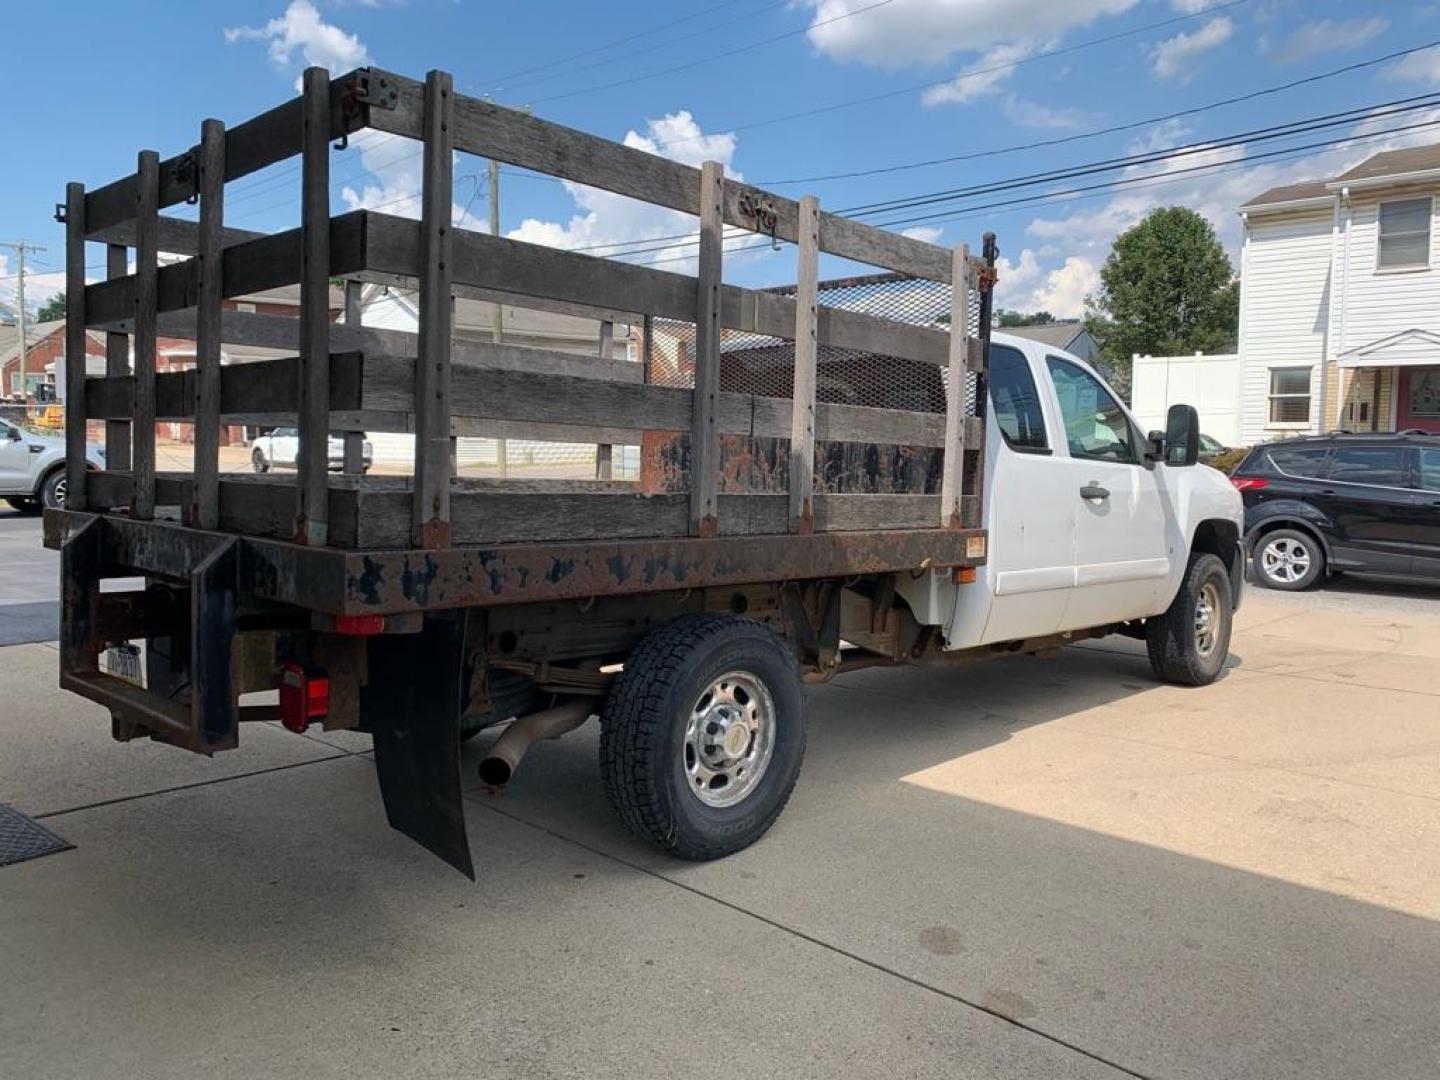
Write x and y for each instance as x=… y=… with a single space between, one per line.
x=495 y=231
x=20 y=247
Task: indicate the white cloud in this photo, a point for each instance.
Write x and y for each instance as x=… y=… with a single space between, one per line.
x=1420 y=67
x=38 y=287
x=980 y=78
x=302 y=28
x=604 y=219
x=1032 y=114
x=1191 y=7
x=906 y=33
x=1329 y=35
x=1025 y=284
x=930 y=234
x=1173 y=58
x=1064 y=291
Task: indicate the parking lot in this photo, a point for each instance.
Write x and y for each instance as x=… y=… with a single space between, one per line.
x=1031 y=868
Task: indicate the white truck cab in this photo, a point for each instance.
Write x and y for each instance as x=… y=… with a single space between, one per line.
x=1089 y=524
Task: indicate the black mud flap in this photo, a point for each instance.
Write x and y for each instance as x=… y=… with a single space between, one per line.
x=412 y=706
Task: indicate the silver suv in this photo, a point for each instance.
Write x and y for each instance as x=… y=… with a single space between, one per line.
x=32 y=468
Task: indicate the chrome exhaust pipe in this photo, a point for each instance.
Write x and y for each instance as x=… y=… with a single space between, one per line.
x=504 y=757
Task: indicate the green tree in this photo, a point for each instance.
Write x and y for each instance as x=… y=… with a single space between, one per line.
x=52 y=309
x=1007 y=317
x=1167 y=288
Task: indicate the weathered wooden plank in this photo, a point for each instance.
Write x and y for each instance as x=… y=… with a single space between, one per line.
x=952 y=478
x=509 y=516
x=144 y=296
x=312 y=505
x=263 y=386
x=249 y=267
x=430 y=519
x=705 y=424
x=175 y=236
x=117 y=362
x=802 y=414
x=392 y=246
x=204 y=510
x=76 y=346
x=510 y=135
x=353 y=442
x=249 y=505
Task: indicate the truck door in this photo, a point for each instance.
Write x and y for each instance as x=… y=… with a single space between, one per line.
x=14 y=459
x=1032 y=525
x=1122 y=550
x=1372 y=507
x=1427 y=517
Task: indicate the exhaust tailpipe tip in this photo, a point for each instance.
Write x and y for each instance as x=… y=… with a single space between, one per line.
x=504 y=757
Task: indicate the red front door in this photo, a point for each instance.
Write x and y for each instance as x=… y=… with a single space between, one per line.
x=1417 y=405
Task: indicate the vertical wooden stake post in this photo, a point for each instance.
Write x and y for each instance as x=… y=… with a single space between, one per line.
x=142 y=433
x=952 y=479
x=312 y=519
x=204 y=510
x=802 y=413
x=353 y=463
x=75 y=347
x=117 y=362
x=431 y=516
x=704 y=427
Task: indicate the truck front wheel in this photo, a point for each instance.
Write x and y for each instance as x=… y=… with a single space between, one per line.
x=702 y=735
x=1188 y=644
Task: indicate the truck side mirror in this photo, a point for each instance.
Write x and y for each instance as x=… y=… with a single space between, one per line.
x=1182 y=436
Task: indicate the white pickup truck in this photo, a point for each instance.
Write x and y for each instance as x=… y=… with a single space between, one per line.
x=280 y=449
x=1093 y=522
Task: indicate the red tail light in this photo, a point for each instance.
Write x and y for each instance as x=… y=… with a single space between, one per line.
x=304 y=695
x=359 y=625
x=1249 y=483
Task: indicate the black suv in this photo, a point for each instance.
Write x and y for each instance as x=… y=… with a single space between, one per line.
x=1342 y=502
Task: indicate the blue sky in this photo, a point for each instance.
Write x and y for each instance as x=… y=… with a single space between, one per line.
x=101 y=80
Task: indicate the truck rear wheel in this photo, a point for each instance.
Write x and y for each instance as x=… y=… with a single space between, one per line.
x=702 y=735
x=1188 y=644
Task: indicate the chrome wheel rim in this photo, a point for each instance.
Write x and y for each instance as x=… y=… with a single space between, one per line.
x=1285 y=560
x=1207 y=620
x=59 y=490
x=729 y=739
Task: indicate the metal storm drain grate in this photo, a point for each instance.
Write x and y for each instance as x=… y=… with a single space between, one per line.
x=22 y=838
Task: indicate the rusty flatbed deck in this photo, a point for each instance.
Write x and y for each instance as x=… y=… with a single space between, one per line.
x=341 y=582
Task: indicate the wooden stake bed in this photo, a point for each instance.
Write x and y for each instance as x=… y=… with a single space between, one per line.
x=347 y=379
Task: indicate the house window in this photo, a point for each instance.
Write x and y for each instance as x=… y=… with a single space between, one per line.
x=1404 y=235
x=1290 y=395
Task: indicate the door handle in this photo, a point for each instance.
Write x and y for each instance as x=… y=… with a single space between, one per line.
x=1094 y=491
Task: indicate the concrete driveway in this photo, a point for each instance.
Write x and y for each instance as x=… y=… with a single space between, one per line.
x=1028 y=869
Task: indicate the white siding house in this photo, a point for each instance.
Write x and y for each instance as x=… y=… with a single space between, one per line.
x=1340 y=301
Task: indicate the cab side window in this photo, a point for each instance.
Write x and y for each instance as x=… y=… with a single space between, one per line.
x=1016 y=401
x=1095 y=425
x=1429 y=475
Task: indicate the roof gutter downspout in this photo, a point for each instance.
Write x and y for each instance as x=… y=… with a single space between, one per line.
x=1325 y=350
x=1343 y=199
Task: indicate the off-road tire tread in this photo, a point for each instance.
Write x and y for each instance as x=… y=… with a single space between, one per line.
x=631 y=723
x=1168 y=636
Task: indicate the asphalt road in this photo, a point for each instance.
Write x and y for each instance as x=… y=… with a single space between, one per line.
x=1031 y=868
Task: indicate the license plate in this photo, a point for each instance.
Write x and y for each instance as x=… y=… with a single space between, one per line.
x=123 y=661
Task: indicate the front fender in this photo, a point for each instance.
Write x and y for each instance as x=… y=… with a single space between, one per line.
x=1286 y=510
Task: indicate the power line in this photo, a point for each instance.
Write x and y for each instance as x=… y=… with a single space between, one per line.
x=497 y=82
x=1069 y=194
x=974 y=73
x=1280 y=131
x=1293 y=128
x=726 y=54
x=1114 y=129
x=669 y=42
